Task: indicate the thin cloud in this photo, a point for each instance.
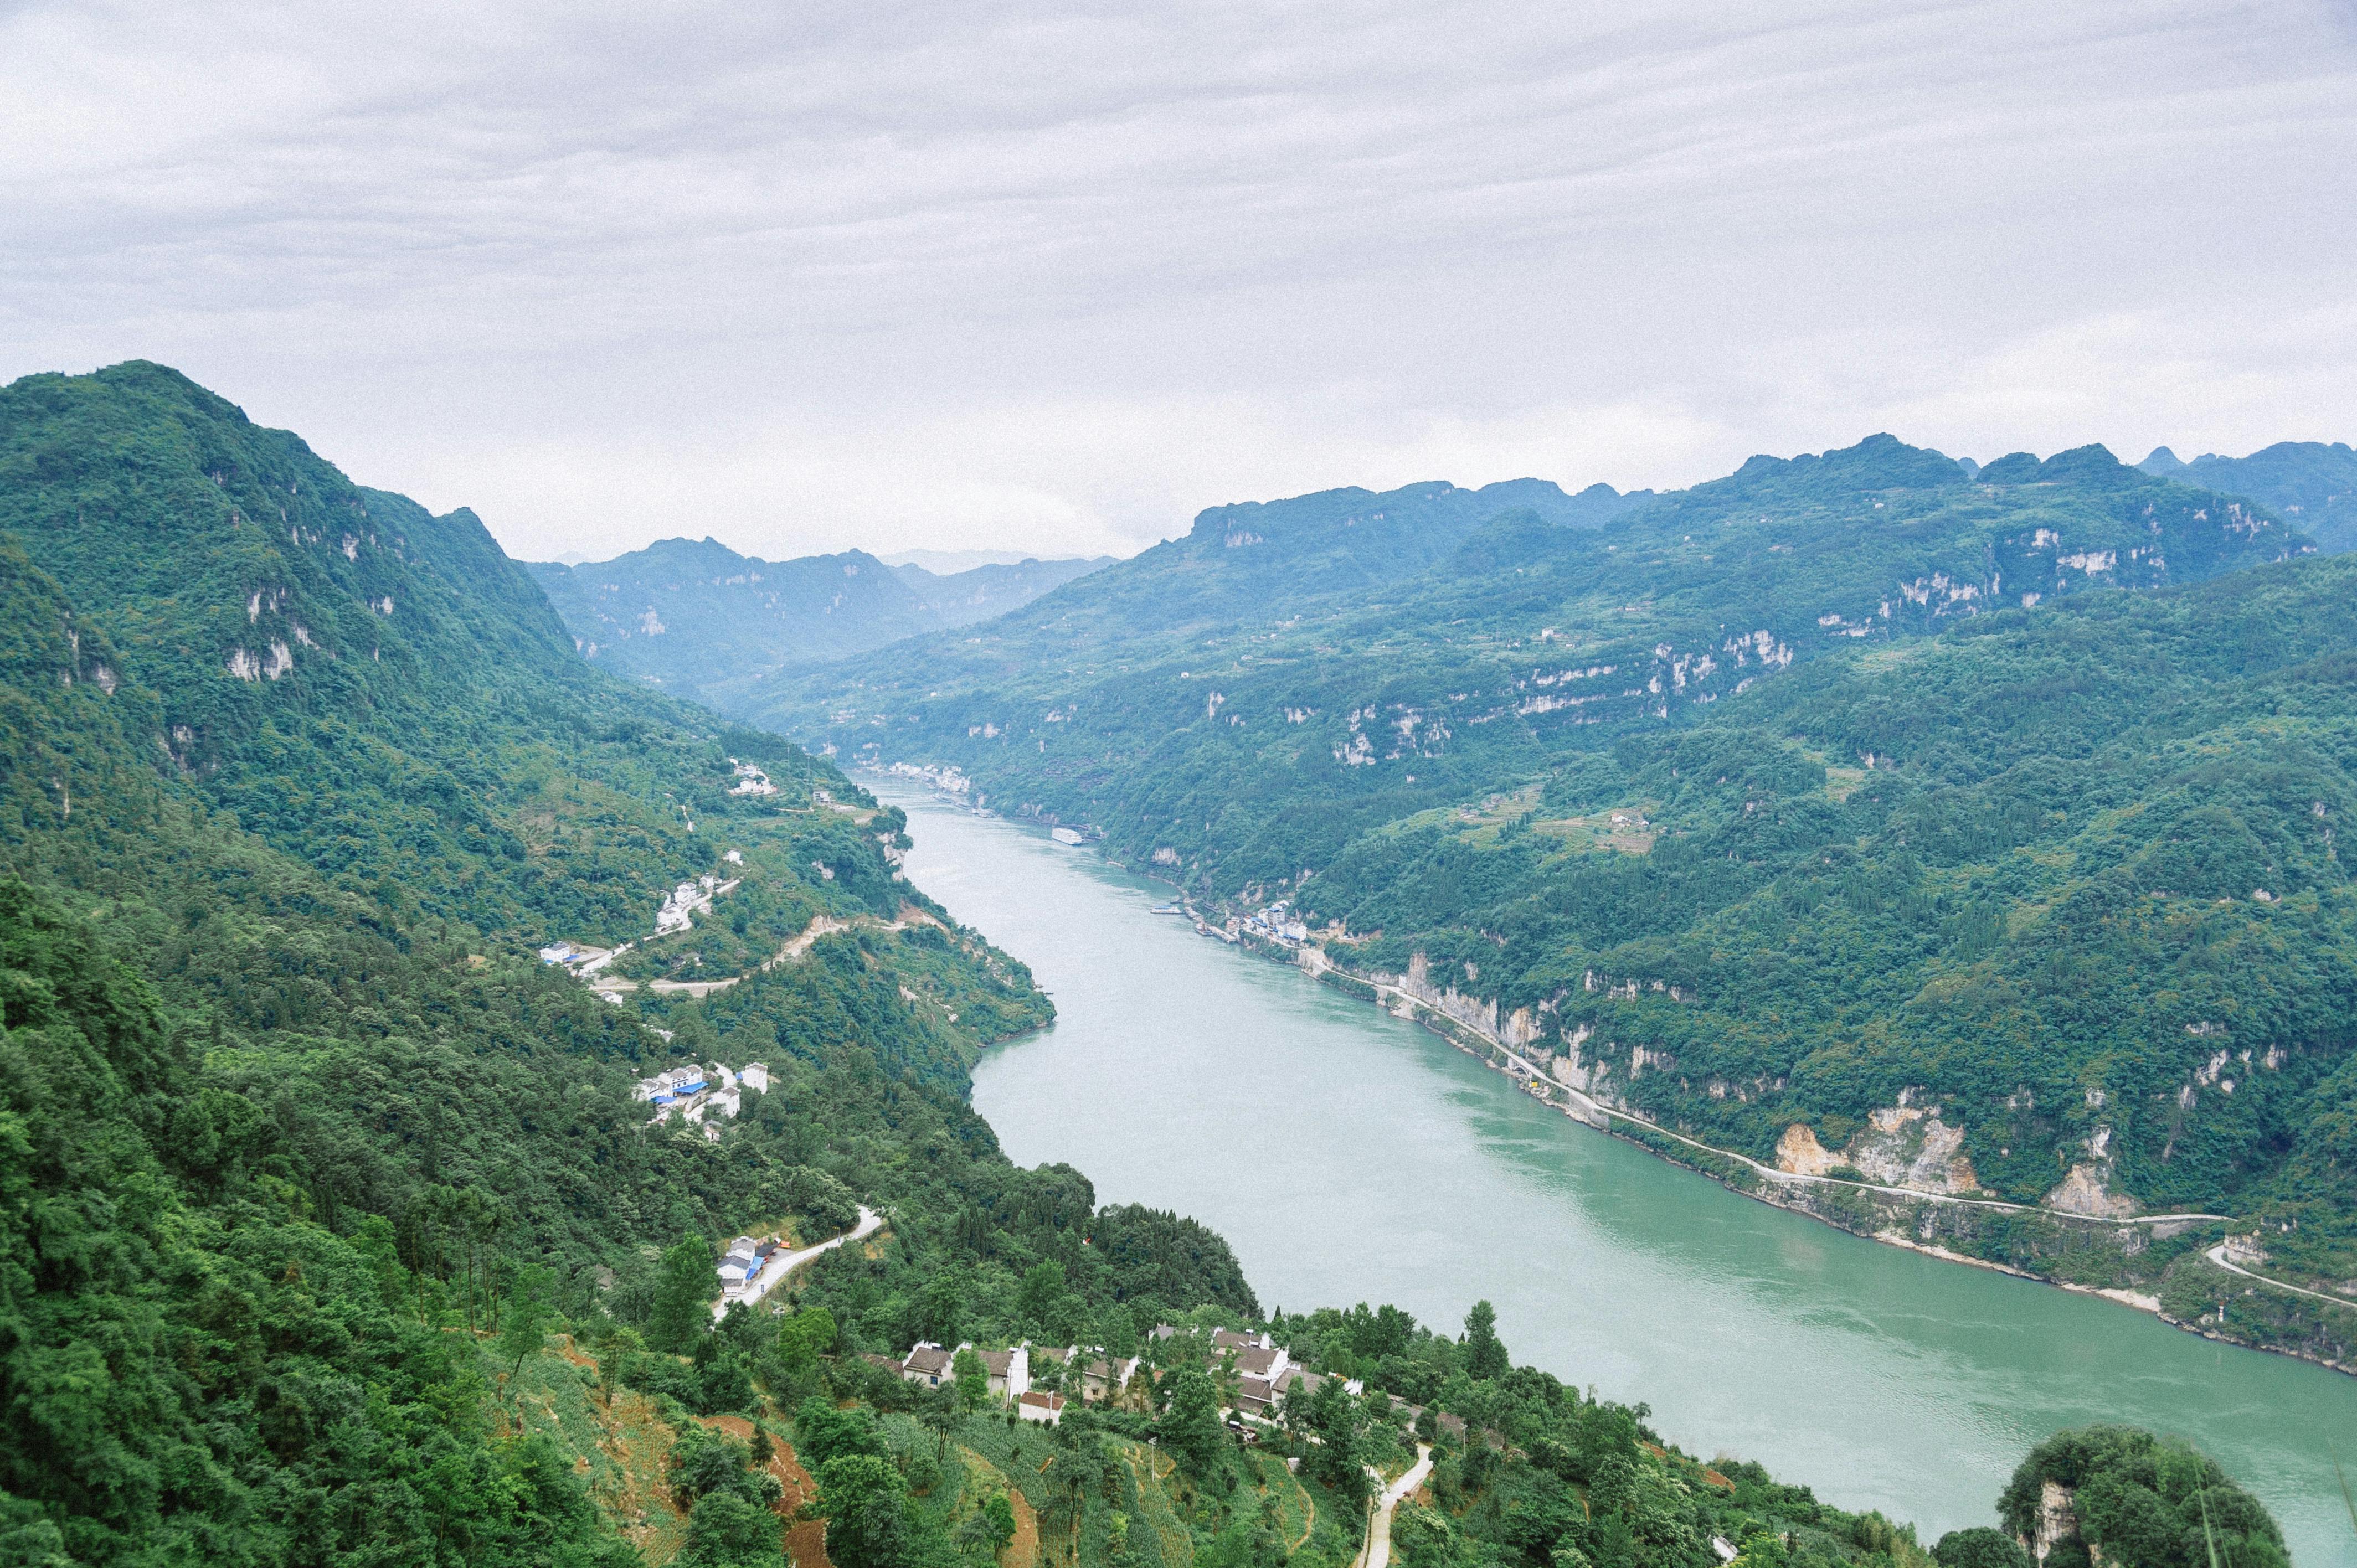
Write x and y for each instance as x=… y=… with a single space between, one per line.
x=1056 y=276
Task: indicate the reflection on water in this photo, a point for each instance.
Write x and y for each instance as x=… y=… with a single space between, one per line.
x=1349 y=1156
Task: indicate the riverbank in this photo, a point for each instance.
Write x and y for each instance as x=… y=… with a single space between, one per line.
x=1350 y=1156
x=2169 y=1265
x=2166 y=1265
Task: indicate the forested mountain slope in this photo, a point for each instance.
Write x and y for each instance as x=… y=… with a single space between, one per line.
x=1248 y=564
x=2312 y=485
x=1970 y=835
x=695 y=617
x=307 y=1157
x=295 y=776
x=1251 y=746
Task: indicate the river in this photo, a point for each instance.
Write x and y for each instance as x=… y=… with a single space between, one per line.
x=1349 y=1156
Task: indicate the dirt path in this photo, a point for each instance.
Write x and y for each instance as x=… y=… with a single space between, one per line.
x=1023 y=1551
x=1377 y=1552
x=805 y=1538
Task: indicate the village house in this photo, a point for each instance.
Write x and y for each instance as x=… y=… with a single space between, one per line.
x=1010 y=1371
x=928 y=1365
x=746 y=1259
x=694 y=1092
x=665 y=1088
x=1101 y=1379
x=1006 y=1372
x=1040 y=1406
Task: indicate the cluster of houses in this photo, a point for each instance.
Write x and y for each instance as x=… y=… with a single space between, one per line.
x=750 y=780
x=680 y=908
x=580 y=958
x=951 y=780
x=1277 y=923
x=740 y=1269
x=693 y=1092
x=1254 y=1371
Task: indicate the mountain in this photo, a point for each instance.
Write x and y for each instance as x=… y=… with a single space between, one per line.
x=295 y=778
x=993 y=587
x=2310 y=485
x=338 y=1228
x=1196 y=673
x=689 y=616
x=1846 y=807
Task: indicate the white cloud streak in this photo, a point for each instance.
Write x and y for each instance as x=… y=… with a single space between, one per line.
x=1056 y=275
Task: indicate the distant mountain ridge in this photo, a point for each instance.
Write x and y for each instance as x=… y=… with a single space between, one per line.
x=2313 y=485
x=693 y=616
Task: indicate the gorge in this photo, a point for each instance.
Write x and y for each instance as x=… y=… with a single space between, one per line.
x=1349 y=1155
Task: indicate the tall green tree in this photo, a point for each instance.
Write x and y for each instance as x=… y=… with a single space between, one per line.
x=973 y=1379
x=1190 y=1428
x=727 y=1530
x=529 y=1310
x=681 y=1313
x=869 y=1523
x=1485 y=1353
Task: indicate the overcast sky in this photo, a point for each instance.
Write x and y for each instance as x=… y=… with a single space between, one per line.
x=1023 y=272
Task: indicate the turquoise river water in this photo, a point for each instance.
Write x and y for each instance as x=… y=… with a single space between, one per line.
x=1349 y=1156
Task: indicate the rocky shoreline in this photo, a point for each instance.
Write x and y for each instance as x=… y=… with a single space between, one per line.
x=2151 y=1264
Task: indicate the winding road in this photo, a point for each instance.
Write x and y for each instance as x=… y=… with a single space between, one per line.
x=2217 y=1255
x=781 y=1264
x=1378 y=1550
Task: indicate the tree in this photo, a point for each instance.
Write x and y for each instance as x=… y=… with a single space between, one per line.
x=727 y=1530
x=613 y=1356
x=973 y=1379
x=1425 y=1538
x=988 y=1528
x=1339 y=1423
x=940 y=1307
x=2138 y=1499
x=939 y=1415
x=1190 y=1429
x=805 y=1337
x=1485 y=1354
x=529 y=1311
x=1041 y=1293
x=704 y=1461
x=1979 y=1547
x=865 y=1504
x=823 y=1434
x=685 y=1286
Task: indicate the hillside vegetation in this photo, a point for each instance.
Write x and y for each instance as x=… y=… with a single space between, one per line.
x=334 y=1233
x=295 y=778
x=1972 y=834
x=2310 y=484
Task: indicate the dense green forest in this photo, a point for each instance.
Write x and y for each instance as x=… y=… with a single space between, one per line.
x=1971 y=833
x=335 y=1233
x=296 y=778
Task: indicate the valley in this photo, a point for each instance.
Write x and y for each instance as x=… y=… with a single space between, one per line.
x=362 y=938
x=1945 y=849
x=1187 y=1068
